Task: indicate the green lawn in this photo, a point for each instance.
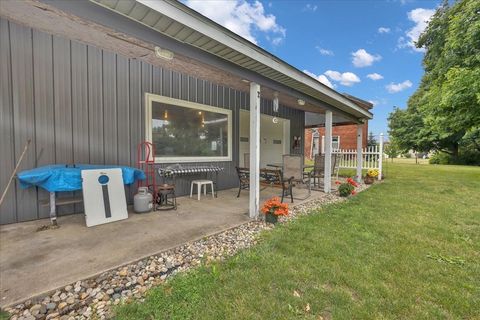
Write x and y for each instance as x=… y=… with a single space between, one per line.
x=405 y=249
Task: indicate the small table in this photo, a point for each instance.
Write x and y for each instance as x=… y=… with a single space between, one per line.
x=275 y=165
x=163 y=201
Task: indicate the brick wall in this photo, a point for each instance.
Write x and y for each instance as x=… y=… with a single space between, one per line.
x=347 y=134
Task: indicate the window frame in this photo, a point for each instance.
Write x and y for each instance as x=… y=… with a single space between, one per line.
x=150 y=98
x=323 y=143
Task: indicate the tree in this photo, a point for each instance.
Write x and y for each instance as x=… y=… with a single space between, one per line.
x=445 y=109
x=391 y=149
x=371 y=142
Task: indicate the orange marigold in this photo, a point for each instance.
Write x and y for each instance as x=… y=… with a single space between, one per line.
x=275 y=206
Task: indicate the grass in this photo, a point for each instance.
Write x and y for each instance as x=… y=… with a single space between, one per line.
x=408 y=248
x=3 y=315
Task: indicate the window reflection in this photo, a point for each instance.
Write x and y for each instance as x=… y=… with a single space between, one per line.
x=179 y=131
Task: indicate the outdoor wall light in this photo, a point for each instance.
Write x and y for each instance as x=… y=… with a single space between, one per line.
x=163 y=53
x=301 y=102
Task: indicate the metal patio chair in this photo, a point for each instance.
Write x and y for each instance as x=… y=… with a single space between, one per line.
x=293 y=167
x=318 y=171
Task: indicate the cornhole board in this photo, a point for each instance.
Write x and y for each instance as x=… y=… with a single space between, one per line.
x=103 y=196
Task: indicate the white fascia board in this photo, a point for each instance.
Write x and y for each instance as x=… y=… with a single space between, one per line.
x=176 y=11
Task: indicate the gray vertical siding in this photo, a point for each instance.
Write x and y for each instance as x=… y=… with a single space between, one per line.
x=81 y=104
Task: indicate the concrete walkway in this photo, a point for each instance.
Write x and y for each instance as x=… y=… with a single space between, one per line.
x=34 y=262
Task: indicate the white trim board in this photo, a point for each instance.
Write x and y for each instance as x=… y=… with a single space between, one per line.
x=150 y=97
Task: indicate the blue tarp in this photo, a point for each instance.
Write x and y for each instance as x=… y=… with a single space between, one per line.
x=61 y=177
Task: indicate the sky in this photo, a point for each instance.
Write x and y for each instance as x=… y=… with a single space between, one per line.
x=363 y=48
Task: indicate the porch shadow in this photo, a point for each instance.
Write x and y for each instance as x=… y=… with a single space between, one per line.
x=32 y=263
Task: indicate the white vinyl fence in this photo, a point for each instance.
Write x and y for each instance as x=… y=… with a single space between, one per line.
x=372 y=157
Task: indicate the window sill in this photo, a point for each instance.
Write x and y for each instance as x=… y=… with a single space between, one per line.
x=192 y=159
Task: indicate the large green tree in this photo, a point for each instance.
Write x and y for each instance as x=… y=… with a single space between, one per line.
x=444 y=112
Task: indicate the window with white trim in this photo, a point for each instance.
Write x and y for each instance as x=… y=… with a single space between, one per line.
x=184 y=131
x=335 y=143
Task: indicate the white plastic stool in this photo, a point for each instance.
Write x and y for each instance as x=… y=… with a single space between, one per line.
x=200 y=184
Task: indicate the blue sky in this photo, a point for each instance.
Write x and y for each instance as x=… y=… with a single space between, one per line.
x=364 y=48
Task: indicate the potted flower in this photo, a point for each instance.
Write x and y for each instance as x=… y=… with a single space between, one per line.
x=273 y=208
x=347 y=188
x=371 y=175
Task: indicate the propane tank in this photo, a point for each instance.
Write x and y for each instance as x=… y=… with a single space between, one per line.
x=142 y=201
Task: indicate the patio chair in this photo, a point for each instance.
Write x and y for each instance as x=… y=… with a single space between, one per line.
x=293 y=167
x=274 y=178
x=243 y=178
x=318 y=171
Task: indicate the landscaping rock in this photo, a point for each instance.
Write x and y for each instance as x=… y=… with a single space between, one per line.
x=93 y=298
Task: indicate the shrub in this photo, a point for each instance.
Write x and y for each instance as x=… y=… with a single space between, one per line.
x=440 y=158
x=468 y=157
x=346 y=189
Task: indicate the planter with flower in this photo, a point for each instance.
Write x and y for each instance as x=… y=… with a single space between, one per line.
x=347 y=188
x=371 y=175
x=273 y=208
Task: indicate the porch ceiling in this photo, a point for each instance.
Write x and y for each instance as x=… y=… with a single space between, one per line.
x=174 y=19
x=48 y=18
x=315 y=120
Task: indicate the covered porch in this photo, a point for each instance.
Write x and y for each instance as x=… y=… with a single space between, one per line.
x=117 y=60
x=34 y=262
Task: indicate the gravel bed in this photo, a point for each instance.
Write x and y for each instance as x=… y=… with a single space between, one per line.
x=93 y=298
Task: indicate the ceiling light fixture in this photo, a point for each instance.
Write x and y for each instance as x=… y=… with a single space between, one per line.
x=301 y=102
x=163 y=53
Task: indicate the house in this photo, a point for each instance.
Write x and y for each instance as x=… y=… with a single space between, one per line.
x=87 y=81
x=344 y=136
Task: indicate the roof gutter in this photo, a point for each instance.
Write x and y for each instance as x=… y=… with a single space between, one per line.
x=192 y=19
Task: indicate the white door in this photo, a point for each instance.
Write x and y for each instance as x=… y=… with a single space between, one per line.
x=274 y=138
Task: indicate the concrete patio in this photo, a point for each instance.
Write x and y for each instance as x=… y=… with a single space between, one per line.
x=34 y=262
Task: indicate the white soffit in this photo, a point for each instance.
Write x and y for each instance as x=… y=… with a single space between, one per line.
x=174 y=19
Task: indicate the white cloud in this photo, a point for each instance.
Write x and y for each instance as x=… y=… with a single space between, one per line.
x=397 y=87
x=347 y=78
x=420 y=17
x=378 y=101
x=374 y=76
x=242 y=17
x=310 y=7
x=324 y=52
x=361 y=58
x=383 y=30
x=322 y=78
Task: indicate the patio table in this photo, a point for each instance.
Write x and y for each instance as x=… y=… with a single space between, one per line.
x=280 y=165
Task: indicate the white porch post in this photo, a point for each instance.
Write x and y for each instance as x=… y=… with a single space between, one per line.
x=327 y=180
x=359 y=152
x=254 y=150
x=380 y=160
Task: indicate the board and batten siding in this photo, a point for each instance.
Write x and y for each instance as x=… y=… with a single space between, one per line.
x=81 y=104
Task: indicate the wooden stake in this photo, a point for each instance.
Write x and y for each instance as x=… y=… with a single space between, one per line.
x=15 y=171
